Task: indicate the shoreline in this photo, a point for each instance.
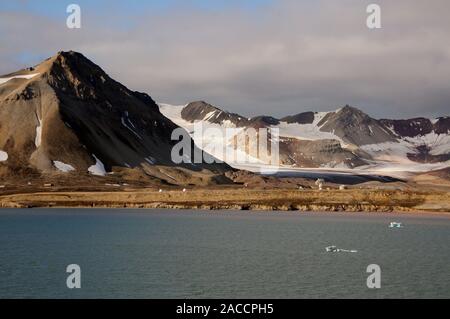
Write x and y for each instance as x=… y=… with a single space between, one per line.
x=284 y=200
x=256 y=213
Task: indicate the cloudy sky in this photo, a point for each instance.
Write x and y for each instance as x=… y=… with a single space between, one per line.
x=274 y=57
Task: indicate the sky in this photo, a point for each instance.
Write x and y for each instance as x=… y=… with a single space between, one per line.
x=252 y=57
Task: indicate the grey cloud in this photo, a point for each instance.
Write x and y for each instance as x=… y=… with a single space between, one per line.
x=283 y=59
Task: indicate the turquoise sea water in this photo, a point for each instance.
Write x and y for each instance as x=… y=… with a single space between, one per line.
x=187 y=254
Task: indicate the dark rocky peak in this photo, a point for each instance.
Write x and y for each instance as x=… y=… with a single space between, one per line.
x=202 y=111
x=301 y=118
x=75 y=67
x=442 y=125
x=347 y=116
x=74 y=76
x=355 y=127
x=409 y=128
x=199 y=109
x=263 y=121
x=350 y=111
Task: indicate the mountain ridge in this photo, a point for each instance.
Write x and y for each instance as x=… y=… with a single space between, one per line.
x=67 y=115
x=311 y=139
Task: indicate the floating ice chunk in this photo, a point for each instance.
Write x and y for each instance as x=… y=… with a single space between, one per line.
x=334 y=249
x=348 y=251
x=3 y=156
x=98 y=169
x=63 y=167
x=395 y=225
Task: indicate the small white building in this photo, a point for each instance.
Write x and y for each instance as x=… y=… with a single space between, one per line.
x=319 y=183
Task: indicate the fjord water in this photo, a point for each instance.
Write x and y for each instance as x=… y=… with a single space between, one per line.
x=187 y=254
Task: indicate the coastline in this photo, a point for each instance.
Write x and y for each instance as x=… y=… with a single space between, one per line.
x=353 y=200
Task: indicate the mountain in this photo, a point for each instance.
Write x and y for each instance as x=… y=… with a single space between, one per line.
x=202 y=111
x=429 y=138
x=345 y=138
x=355 y=127
x=67 y=115
x=418 y=126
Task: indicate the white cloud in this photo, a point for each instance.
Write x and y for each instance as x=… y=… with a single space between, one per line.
x=282 y=59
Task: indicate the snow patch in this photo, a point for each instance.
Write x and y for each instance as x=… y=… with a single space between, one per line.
x=98 y=169
x=397 y=152
x=63 y=167
x=3 y=156
x=209 y=116
x=126 y=122
x=434 y=121
x=438 y=143
x=173 y=112
x=394 y=152
x=309 y=132
x=28 y=76
x=318 y=116
x=38 y=139
x=150 y=160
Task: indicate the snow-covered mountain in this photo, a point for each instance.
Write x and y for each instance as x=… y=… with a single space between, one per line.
x=346 y=138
